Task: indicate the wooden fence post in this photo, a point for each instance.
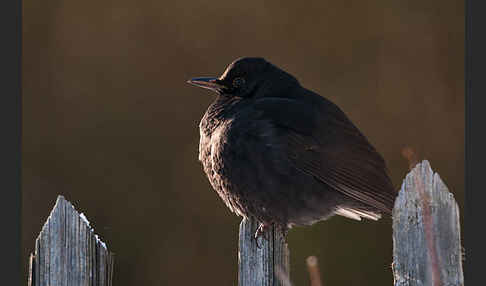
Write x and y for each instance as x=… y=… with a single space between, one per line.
x=426 y=232
x=67 y=252
x=267 y=265
x=426 y=243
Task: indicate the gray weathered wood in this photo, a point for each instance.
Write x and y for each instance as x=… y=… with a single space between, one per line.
x=267 y=265
x=67 y=252
x=426 y=232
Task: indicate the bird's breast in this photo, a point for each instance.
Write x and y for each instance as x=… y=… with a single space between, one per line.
x=212 y=144
x=213 y=148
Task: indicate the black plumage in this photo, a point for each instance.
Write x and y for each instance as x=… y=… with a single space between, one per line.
x=284 y=155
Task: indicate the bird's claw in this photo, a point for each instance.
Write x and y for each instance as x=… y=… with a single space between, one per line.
x=260 y=232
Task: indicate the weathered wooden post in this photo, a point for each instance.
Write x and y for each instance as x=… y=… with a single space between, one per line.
x=426 y=232
x=67 y=252
x=265 y=264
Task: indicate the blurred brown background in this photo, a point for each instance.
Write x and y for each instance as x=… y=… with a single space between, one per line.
x=110 y=123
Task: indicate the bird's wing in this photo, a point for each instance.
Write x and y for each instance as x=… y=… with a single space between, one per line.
x=321 y=141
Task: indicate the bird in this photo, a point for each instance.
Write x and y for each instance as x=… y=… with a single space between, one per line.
x=285 y=156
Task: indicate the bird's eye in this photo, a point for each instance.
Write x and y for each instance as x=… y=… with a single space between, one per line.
x=237 y=82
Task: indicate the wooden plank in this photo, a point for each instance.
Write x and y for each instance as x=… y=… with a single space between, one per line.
x=426 y=232
x=265 y=264
x=67 y=252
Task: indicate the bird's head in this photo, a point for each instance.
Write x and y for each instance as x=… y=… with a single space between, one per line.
x=247 y=78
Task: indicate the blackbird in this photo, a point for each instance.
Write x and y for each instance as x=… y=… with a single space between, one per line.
x=279 y=153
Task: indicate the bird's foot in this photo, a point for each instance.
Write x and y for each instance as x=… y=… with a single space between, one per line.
x=285 y=231
x=261 y=232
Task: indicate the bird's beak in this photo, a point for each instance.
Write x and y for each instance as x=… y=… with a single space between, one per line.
x=211 y=83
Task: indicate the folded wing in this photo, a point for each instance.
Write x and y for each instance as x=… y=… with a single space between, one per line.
x=321 y=141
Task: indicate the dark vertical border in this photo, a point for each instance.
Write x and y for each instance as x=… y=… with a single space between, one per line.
x=468 y=175
x=10 y=128
x=474 y=217
x=468 y=171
